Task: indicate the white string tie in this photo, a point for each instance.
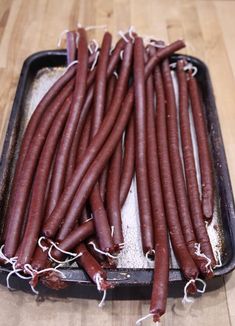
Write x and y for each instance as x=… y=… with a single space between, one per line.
x=198 y=252
x=91 y=27
x=96 y=46
x=98 y=280
x=121 y=33
x=74 y=256
x=150 y=40
x=121 y=245
x=95 y=60
x=17 y=272
x=218 y=258
x=156 y=45
x=203 y=283
x=139 y=321
x=102 y=252
x=44 y=248
x=61 y=37
x=102 y=302
x=89 y=219
x=33 y=272
x=190 y=66
x=7 y=260
x=8 y=278
x=112 y=230
x=131 y=30
x=69 y=66
x=115 y=74
x=173 y=65
x=148 y=253
x=186 y=298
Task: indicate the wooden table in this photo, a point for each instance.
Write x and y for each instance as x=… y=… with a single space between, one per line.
x=28 y=26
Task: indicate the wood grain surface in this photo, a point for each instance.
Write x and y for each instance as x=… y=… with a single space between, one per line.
x=208 y=27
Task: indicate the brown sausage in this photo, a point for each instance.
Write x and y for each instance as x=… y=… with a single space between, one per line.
x=161 y=246
x=145 y=213
x=58 y=176
x=203 y=149
x=128 y=164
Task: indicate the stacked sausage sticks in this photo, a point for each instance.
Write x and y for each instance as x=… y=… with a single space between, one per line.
x=110 y=115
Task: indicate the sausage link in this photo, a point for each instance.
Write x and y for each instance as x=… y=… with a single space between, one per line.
x=140 y=153
x=128 y=165
x=161 y=246
x=203 y=149
x=80 y=143
x=92 y=267
x=58 y=176
x=79 y=234
x=100 y=84
x=113 y=196
x=98 y=210
x=104 y=175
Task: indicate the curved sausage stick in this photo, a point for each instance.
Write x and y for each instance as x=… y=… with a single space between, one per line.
x=79 y=234
x=80 y=126
x=203 y=149
x=50 y=229
x=190 y=170
x=145 y=213
x=92 y=268
x=128 y=165
x=100 y=84
x=71 y=39
x=104 y=175
x=40 y=258
x=98 y=210
x=113 y=196
x=27 y=171
x=80 y=143
x=58 y=176
x=35 y=214
x=28 y=135
x=85 y=137
x=186 y=220
x=101 y=259
x=185 y=261
x=161 y=268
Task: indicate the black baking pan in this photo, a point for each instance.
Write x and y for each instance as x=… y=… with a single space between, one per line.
x=130 y=283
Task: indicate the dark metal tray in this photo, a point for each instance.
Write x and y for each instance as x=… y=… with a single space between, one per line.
x=130 y=283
